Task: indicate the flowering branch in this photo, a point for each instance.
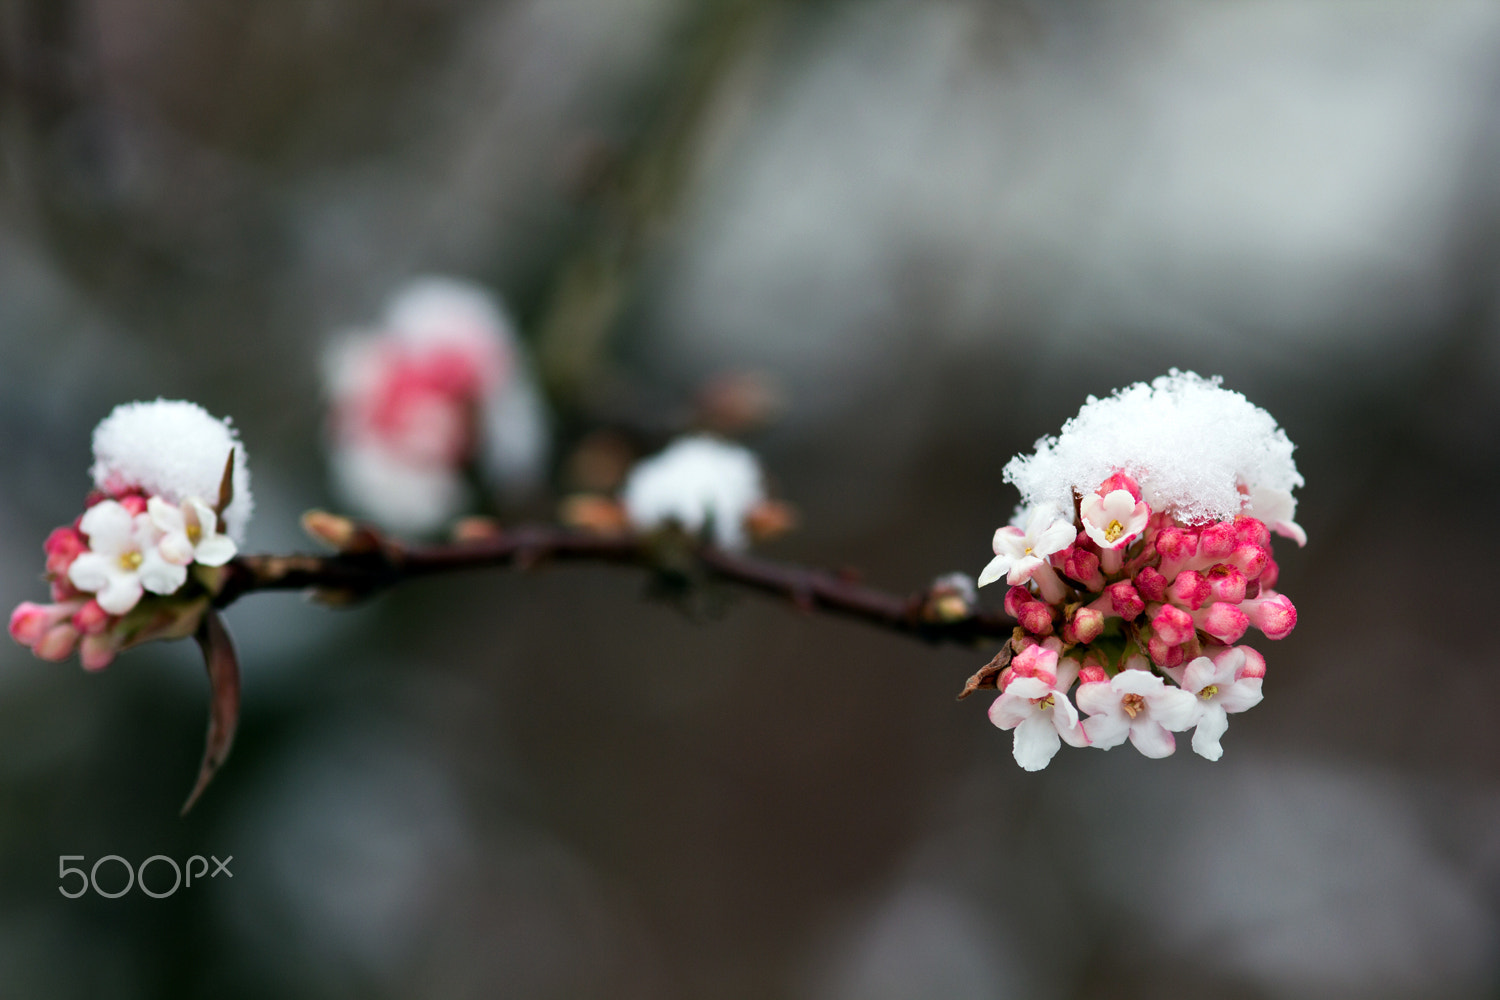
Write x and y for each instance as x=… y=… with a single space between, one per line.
x=369 y=562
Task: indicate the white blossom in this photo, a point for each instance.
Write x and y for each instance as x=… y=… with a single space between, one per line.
x=123 y=558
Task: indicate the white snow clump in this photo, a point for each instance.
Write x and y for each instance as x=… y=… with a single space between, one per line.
x=695 y=482
x=1190 y=443
x=175 y=450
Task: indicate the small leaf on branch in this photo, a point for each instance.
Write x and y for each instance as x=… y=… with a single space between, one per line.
x=226 y=487
x=989 y=674
x=224 y=700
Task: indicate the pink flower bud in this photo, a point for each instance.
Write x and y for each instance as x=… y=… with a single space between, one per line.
x=1017 y=598
x=1226 y=583
x=91 y=619
x=62 y=547
x=1190 y=589
x=1251 y=531
x=97 y=651
x=1217 y=540
x=1093 y=674
x=1125 y=600
x=1151 y=584
x=1254 y=666
x=29 y=622
x=1120 y=481
x=1036 y=618
x=1081 y=565
x=1086 y=626
x=1172 y=625
x=1165 y=654
x=1249 y=559
x=134 y=503
x=57 y=643
x=1270 y=574
x=1177 y=547
x=1224 y=622
x=1273 y=614
x=1036 y=661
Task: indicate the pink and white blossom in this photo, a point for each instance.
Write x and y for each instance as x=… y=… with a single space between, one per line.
x=1035 y=704
x=1137 y=705
x=189 y=533
x=1227 y=683
x=123 y=558
x=1021 y=553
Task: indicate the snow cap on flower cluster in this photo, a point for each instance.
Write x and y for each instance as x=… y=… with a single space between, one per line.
x=174 y=450
x=1189 y=442
x=442 y=382
x=695 y=482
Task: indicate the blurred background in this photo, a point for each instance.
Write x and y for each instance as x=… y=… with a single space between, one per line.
x=935 y=227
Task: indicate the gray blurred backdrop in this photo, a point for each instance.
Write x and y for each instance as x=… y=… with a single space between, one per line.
x=936 y=226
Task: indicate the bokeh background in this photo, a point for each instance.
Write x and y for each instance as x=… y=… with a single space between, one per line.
x=935 y=227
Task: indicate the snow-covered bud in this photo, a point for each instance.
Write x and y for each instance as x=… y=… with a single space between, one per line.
x=949 y=599
x=700 y=484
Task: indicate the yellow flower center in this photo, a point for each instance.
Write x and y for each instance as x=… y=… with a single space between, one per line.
x=1028 y=550
x=1132 y=704
x=1044 y=703
x=1209 y=692
x=194 y=533
x=130 y=560
x=1115 y=530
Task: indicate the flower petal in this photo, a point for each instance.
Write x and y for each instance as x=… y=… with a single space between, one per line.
x=1152 y=740
x=998 y=567
x=108 y=525
x=1243 y=694
x=216 y=551
x=1036 y=743
x=1211 y=726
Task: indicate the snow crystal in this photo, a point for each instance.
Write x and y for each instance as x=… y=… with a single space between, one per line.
x=1189 y=442
x=175 y=450
x=696 y=481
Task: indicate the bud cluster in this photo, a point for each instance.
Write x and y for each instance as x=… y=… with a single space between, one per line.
x=141 y=562
x=1141 y=606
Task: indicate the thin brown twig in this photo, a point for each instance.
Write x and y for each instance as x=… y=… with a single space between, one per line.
x=355 y=574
